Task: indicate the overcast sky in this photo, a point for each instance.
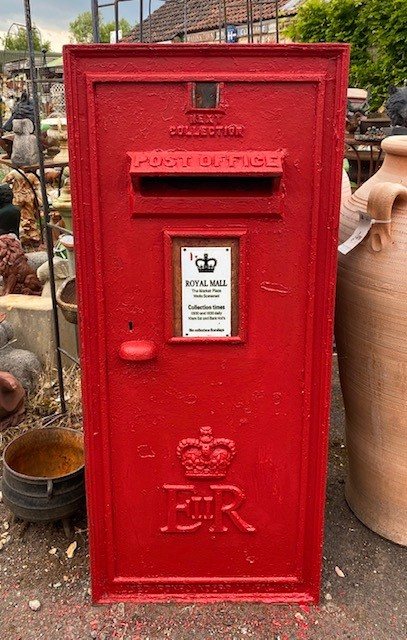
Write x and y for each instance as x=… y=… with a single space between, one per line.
x=52 y=17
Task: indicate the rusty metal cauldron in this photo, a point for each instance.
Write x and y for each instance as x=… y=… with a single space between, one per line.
x=43 y=474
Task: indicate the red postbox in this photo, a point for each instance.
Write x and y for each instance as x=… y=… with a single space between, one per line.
x=206 y=186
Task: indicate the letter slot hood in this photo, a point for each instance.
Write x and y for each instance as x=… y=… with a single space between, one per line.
x=220 y=182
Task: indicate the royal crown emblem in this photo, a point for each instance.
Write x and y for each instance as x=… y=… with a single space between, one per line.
x=205 y=264
x=206 y=456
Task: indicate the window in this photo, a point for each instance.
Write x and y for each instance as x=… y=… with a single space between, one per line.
x=205 y=95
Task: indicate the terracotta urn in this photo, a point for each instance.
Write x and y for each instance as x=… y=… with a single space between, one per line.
x=371 y=338
x=346 y=191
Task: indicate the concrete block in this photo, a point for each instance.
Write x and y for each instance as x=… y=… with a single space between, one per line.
x=31 y=319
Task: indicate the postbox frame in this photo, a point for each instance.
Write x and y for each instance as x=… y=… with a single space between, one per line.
x=82 y=78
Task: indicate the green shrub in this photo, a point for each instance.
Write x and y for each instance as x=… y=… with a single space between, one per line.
x=377 y=31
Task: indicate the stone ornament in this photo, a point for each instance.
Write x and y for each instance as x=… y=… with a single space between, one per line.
x=12 y=401
x=9 y=213
x=63 y=205
x=20 y=363
x=396 y=107
x=25 y=151
x=18 y=276
x=23 y=197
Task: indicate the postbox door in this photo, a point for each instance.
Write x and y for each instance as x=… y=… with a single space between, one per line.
x=206 y=267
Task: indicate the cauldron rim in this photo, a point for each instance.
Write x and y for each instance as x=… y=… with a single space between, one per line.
x=36 y=479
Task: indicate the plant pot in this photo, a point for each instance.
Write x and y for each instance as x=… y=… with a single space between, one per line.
x=66 y=300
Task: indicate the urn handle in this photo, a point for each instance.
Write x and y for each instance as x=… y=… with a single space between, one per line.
x=379 y=207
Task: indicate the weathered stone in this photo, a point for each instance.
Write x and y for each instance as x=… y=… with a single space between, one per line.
x=22 y=364
x=61 y=270
x=12 y=397
x=36 y=259
x=31 y=318
x=26 y=197
x=25 y=150
x=18 y=276
x=34 y=605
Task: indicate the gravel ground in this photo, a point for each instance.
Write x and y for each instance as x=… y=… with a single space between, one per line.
x=368 y=603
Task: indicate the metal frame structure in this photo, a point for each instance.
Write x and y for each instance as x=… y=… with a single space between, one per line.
x=223 y=5
x=35 y=81
x=96 y=5
x=23 y=27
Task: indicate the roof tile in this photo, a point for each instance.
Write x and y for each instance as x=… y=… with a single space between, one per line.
x=203 y=15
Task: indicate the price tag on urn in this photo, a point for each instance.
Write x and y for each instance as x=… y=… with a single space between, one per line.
x=206 y=275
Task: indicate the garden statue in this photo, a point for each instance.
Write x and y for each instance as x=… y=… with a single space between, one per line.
x=397 y=109
x=25 y=197
x=22 y=364
x=25 y=151
x=357 y=107
x=18 y=276
x=24 y=109
x=6 y=143
x=9 y=213
x=12 y=401
x=353 y=120
x=63 y=204
x=61 y=273
x=52 y=178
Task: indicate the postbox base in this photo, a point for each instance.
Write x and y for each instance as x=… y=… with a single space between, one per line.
x=266 y=598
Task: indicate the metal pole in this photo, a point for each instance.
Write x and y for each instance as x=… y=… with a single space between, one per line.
x=251 y=18
x=277 y=24
x=116 y=19
x=48 y=235
x=95 y=21
x=248 y=19
x=261 y=20
x=220 y=21
x=141 y=20
x=185 y=21
x=149 y=20
x=225 y=20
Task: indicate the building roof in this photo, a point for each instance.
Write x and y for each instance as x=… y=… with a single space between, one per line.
x=56 y=62
x=20 y=59
x=203 y=15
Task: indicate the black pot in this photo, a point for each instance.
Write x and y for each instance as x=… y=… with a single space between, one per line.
x=43 y=474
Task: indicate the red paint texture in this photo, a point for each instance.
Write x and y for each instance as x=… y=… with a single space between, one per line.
x=237 y=514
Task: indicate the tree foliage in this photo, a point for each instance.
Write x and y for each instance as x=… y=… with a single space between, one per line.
x=81 y=28
x=19 y=42
x=377 y=31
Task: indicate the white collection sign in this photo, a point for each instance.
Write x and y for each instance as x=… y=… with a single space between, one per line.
x=206 y=274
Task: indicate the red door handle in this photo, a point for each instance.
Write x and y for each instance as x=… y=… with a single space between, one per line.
x=137 y=350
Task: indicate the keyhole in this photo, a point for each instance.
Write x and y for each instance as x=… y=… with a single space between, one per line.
x=130 y=325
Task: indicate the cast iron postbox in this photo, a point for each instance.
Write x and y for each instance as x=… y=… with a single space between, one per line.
x=206 y=186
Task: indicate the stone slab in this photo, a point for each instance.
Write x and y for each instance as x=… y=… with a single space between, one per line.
x=31 y=318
